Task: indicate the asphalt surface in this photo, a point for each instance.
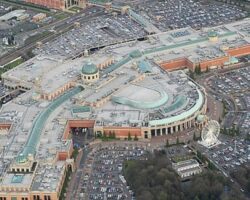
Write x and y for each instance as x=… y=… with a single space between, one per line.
x=60 y=27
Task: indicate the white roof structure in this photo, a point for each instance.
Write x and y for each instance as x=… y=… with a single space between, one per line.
x=12 y=14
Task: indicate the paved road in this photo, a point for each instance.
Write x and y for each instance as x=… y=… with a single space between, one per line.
x=215 y=107
x=82 y=139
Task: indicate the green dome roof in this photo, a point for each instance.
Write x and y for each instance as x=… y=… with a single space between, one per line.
x=200 y=118
x=212 y=34
x=89 y=68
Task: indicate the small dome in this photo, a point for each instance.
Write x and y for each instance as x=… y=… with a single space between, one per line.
x=212 y=34
x=200 y=118
x=89 y=68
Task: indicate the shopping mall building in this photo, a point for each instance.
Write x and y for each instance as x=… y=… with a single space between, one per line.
x=139 y=89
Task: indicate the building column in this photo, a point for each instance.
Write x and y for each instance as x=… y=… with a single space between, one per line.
x=181 y=127
x=176 y=128
x=184 y=126
x=190 y=124
x=171 y=130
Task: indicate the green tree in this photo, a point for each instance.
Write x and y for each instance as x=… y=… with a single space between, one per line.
x=237 y=131
x=220 y=120
x=113 y=135
x=177 y=140
x=196 y=198
x=155 y=179
x=163 y=196
x=110 y=135
x=197 y=70
x=194 y=137
x=129 y=136
x=225 y=131
x=104 y=137
x=248 y=137
x=191 y=74
x=167 y=143
x=211 y=165
x=135 y=138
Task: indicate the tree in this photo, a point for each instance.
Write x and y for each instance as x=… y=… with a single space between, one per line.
x=191 y=74
x=197 y=70
x=194 y=137
x=163 y=196
x=200 y=156
x=110 y=134
x=211 y=165
x=98 y=134
x=155 y=179
x=196 y=198
x=248 y=137
x=237 y=131
x=177 y=140
x=129 y=136
x=135 y=138
x=113 y=135
x=225 y=131
x=104 y=136
x=220 y=120
x=167 y=143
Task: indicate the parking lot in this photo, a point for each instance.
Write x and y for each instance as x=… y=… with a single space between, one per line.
x=100 y=31
x=173 y=14
x=19 y=28
x=102 y=178
x=233 y=89
x=23 y=27
x=230 y=154
x=7 y=95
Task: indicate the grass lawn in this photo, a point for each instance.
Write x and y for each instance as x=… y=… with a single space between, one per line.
x=37 y=37
x=11 y=65
x=75 y=9
x=61 y=15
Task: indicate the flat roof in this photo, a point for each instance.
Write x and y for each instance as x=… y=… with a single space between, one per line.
x=185 y=163
x=38 y=125
x=160 y=47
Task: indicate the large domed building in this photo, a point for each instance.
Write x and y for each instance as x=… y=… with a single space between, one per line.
x=90 y=72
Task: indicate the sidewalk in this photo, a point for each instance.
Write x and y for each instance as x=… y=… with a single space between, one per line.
x=73 y=183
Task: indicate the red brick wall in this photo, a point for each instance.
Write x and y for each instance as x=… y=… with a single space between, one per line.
x=179 y=63
x=174 y=64
x=77 y=123
x=81 y=123
x=190 y=64
x=239 y=51
x=62 y=156
x=214 y=62
x=185 y=62
x=123 y=131
x=56 y=4
x=5 y=126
